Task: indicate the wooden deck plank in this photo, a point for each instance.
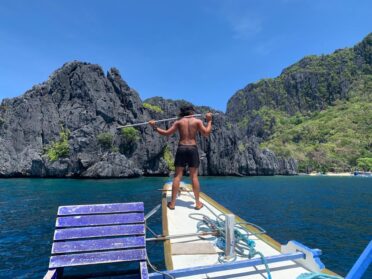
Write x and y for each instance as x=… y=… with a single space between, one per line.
x=100 y=208
x=98 y=244
x=99 y=231
x=93 y=220
x=97 y=258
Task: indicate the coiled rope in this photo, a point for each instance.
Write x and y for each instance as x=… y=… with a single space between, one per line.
x=244 y=247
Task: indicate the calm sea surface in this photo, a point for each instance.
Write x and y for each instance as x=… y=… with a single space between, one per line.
x=330 y=213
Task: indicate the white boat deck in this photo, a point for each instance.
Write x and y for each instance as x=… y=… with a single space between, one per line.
x=192 y=251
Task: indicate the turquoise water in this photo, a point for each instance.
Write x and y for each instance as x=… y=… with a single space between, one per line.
x=330 y=213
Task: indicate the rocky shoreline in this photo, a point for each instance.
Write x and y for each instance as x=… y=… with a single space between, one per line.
x=81 y=100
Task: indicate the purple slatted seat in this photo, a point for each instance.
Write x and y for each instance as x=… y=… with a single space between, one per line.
x=100 y=208
x=98 y=231
x=97 y=258
x=98 y=244
x=144 y=271
x=96 y=234
x=94 y=220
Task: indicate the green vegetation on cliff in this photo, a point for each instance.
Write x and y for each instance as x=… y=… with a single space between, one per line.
x=60 y=148
x=152 y=107
x=338 y=138
x=317 y=111
x=365 y=164
x=168 y=158
x=130 y=134
x=105 y=140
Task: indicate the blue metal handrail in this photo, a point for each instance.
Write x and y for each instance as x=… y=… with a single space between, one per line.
x=227 y=266
x=361 y=264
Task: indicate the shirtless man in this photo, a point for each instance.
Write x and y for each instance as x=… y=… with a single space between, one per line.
x=187 y=151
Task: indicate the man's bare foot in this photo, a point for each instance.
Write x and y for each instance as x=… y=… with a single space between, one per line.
x=169 y=205
x=199 y=206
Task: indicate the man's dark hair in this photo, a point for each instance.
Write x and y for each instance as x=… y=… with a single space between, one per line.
x=186 y=110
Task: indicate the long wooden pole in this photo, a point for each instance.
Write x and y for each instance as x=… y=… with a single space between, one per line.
x=161 y=120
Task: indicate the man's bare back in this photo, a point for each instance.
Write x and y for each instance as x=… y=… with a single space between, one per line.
x=188 y=128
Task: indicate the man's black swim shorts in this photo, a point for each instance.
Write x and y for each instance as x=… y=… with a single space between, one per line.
x=187 y=155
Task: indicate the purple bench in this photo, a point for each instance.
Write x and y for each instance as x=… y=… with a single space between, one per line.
x=97 y=234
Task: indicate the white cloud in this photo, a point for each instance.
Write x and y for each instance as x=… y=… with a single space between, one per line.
x=241 y=16
x=245 y=27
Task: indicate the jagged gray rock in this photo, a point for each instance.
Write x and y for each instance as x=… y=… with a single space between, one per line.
x=112 y=165
x=81 y=98
x=228 y=151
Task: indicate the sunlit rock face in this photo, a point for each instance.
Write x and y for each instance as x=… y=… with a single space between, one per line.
x=80 y=99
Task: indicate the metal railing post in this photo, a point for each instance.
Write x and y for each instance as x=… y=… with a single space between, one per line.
x=230 y=236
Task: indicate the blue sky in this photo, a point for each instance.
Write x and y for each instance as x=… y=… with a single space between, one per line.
x=201 y=51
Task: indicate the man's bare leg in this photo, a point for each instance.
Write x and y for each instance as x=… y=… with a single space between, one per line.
x=195 y=185
x=176 y=185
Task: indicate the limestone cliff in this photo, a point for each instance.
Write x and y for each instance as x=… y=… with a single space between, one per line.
x=88 y=105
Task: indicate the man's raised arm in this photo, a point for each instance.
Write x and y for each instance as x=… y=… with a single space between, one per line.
x=168 y=132
x=208 y=129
